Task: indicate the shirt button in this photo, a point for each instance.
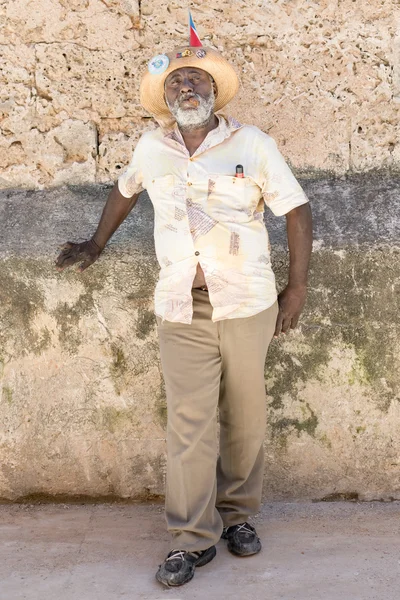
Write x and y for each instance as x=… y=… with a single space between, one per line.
x=189 y=183
x=197 y=253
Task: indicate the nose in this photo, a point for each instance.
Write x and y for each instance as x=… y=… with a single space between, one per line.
x=186 y=86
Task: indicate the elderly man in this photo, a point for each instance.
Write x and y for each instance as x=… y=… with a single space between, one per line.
x=216 y=304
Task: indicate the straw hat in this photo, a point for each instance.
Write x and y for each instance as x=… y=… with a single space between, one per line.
x=152 y=85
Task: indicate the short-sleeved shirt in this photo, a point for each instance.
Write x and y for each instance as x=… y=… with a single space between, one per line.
x=204 y=214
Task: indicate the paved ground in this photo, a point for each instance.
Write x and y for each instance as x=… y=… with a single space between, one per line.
x=337 y=551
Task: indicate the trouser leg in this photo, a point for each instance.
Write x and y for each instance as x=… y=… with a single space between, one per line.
x=191 y=365
x=242 y=409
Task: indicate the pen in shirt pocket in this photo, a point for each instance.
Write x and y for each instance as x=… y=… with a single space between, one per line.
x=239 y=171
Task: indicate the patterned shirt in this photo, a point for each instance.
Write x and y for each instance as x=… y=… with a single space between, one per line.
x=204 y=214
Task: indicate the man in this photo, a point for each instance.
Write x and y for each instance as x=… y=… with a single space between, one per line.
x=216 y=303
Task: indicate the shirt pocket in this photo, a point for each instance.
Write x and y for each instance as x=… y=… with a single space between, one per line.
x=160 y=190
x=232 y=199
x=159 y=184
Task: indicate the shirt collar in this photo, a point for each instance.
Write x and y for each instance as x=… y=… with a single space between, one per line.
x=226 y=126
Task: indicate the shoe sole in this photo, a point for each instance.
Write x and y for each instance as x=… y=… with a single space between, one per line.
x=203 y=560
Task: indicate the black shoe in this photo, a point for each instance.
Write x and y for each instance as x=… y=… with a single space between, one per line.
x=242 y=539
x=179 y=566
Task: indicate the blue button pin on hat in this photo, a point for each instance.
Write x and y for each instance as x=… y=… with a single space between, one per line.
x=158 y=64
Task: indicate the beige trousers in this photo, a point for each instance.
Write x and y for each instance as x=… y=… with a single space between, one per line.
x=207 y=365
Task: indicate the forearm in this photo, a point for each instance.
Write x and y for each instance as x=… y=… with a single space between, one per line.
x=299 y=235
x=116 y=210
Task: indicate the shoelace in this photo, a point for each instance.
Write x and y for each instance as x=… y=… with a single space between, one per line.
x=181 y=554
x=244 y=527
x=176 y=554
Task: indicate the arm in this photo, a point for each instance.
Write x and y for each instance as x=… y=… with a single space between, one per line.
x=116 y=210
x=292 y=299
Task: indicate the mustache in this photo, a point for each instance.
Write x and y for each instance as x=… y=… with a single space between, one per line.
x=188 y=96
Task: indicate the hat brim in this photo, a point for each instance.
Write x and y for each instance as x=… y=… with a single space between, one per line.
x=152 y=86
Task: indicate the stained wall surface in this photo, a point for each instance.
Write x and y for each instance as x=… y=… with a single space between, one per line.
x=323 y=78
x=82 y=399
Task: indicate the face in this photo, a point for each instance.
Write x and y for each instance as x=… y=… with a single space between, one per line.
x=190 y=95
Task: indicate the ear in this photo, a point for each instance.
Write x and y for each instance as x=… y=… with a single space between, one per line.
x=215 y=88
x=166 y=102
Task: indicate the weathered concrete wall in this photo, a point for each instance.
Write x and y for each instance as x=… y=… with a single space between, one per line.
x=323 y=78
x=82 y=405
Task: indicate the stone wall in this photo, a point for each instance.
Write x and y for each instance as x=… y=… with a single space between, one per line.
x=82 y=401
x=323 y=78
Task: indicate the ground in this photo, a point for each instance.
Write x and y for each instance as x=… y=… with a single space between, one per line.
x=312 y=551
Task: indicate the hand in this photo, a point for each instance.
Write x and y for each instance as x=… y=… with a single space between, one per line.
x=86 y=252
x=291 y=301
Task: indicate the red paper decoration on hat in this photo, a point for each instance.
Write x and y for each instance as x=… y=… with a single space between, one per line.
x=194 y=39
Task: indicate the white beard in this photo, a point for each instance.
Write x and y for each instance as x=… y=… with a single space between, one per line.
x=193 y=118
